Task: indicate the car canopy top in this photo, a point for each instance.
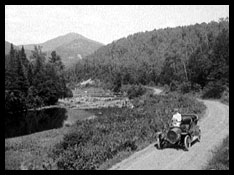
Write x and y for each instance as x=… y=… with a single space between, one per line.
x=189 y=118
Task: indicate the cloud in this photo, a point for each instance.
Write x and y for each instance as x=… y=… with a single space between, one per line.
x=101 y=23
x=9 y=20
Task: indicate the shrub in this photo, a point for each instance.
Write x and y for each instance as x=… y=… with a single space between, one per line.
x=196 y=87
x=152 y=83
x=68 y=93
x=166 y=88
x=184 y=87
x=133 y=91
x=174 y=85
x=225 y=96
x=213 y=90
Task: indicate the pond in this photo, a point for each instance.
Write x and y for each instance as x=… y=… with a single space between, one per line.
x=30 y=122
x=20 y=124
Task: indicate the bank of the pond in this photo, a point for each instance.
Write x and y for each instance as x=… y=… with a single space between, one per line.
x=20 y=150
x=35 y=135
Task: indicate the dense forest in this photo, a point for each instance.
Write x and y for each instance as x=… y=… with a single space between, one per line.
x=33 y=82
x=184 y=58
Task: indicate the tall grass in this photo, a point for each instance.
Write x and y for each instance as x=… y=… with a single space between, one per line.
x=90 y=144
x=225 y=97
x=220 y=160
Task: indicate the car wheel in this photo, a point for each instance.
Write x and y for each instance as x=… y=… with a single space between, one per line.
x=199 y=136
x=187 y=142
x=158 y=144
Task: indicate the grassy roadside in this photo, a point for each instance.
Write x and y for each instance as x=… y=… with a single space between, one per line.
x=116 y=134
x=220 y=160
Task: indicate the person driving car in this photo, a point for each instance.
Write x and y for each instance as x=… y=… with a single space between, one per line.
x=176 y=118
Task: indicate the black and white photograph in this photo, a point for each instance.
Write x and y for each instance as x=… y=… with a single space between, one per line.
x=116 y=87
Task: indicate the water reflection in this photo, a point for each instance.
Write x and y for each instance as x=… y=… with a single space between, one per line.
x=34 y=121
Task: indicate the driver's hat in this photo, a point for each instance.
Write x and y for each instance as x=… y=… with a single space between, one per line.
x=176 y=110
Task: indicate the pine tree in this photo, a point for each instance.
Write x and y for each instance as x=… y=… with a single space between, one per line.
x=57 y=68
x=56 y=61
x=22 y=81
x=16 y=83
x=24 y=60
x=36 y=74
x=11 y=71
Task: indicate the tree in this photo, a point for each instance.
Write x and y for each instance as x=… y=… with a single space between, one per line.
x=21 y=81
x=56 y=69
x=220 y=58
x=56 y=61
x=10 y=71
x=172 y=70
x=200 y=66
x=36 y=77
x=23 y=57
x=209 y=65
x=16 y=83
x=38 y=60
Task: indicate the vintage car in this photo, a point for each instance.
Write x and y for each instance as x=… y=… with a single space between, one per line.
x=182 y=136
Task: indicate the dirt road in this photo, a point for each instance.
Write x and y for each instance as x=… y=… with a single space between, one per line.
x=214 y=127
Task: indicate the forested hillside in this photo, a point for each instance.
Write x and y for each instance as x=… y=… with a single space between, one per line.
x=185 y=58
x=33 y=82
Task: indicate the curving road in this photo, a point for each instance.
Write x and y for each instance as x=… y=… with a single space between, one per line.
x=214 y=128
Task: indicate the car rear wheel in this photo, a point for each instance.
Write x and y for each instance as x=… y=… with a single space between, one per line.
x=187 y=142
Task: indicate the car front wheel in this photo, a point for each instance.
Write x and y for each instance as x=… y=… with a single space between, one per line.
x=158 y=144
x=187 y=142
x=199 y=136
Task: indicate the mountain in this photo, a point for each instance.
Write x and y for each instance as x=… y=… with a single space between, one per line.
x=8 y=47
x=71 y=47
x=77 y=49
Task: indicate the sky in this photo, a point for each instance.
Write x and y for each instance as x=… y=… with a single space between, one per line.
x=33 y=24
